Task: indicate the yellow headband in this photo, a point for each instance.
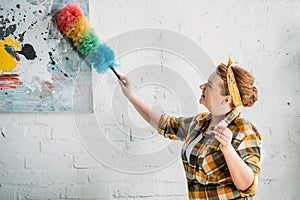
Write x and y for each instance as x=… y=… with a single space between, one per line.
x=232 y=86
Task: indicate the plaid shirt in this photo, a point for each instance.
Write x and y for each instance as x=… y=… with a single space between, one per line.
x=207 y=173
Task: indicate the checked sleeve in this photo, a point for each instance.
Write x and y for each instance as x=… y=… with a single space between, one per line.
x=174 y=128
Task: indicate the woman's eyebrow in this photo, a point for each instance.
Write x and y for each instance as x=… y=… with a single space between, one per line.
x=209 y=83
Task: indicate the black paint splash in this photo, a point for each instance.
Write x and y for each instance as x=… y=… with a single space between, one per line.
x=51 y=58
x=54 y=64
x=21 y=36
x=28 y=52
x=6 y=31
x=10 y=50
x=2 y=133
x=2 y=31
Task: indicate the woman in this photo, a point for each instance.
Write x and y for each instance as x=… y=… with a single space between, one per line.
x=221 y=151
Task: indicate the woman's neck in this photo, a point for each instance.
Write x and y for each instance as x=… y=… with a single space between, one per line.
x=215 y=119
x=219 y=113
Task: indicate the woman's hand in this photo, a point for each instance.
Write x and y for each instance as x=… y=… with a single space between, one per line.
x=125 y=86
x=241 y=174
x=224 y=136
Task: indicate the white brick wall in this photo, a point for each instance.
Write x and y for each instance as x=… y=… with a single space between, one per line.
x=44 y=157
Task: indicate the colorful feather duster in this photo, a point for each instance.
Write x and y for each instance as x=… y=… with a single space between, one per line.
x=75 y=26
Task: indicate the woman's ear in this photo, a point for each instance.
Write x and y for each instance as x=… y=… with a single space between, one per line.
x=228 y=99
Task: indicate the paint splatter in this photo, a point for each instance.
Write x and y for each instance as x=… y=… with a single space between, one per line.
x=51 y=58
x=11 y=29
x=6 y=30
x=2 y=31
x=2 y=133
x=46 y=89
x=9 y=81
x=54 y=64
x=8 y=47
x=21 y=36
x=45 y=83
x=10 y=50
x=28 y=51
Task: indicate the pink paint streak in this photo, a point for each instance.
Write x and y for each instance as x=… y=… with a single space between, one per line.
x=9 y=81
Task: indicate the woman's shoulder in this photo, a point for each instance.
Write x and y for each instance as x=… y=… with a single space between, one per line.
x=245 y=126
x=245 y=134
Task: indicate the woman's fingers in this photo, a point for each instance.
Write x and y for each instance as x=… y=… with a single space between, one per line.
x=223 y=135
x=125 y=86
x=123 y=77
x=124 y=80
x=121 y=84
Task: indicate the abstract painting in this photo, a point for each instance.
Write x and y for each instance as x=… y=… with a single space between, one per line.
x=39 y=69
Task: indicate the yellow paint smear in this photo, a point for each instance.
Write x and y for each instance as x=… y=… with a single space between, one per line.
x=7 y=61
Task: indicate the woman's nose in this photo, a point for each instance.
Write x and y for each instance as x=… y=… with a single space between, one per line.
x=202 y=86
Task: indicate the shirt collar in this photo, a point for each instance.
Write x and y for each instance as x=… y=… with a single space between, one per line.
x=226 y=121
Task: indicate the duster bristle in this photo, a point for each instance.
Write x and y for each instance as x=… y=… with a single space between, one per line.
x=74 y=25
x=89 y=43
x=102 y=58
x=68 y=17
x=76 y=33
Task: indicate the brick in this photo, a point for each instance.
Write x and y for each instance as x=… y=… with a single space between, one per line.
x=12 y=162
x=115 y=134
x=19 y=146
x=60 y=132
x=9 y=119
x=135 y=189
x=62 y=146
x=26 y=119
x=107 y=175
x=7 y=193
x=13 y=132
x=37 y=132
x=64 y=177
x=47 y=161
x=167 y=174
x=62 y=119
x=173 y=197
x=86 y=161
x=175 y=189
x=100 y=191
x=90 y=134
x=26 y=177
x=39 y=193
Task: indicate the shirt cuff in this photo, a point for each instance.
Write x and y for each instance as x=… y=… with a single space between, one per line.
x=251 y=191
x=162 y=124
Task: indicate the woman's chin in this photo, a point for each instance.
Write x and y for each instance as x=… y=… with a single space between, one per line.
x=201 y=101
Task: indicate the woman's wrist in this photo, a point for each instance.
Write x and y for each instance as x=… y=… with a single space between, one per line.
x=130 y=97
x=227 y=150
